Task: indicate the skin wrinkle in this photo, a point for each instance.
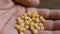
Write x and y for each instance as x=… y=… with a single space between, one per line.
x=5 y=18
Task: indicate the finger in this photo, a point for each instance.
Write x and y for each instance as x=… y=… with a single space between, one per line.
x=57 y=25
x=56 y=32
x=44 y=12
x=5 y=4
x=28 y=3
x=54 y=14
x=48 y=25
x=45 y=32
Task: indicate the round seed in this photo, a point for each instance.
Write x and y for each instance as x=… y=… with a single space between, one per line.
x=21 y=32
x=40 y=24
x=27 y=22
x=22 y=17
x=31 y=28
x=22 y=24
x=21 y=29
x=26 y=26
x=29 y=13
x=33 y=19
x=38 y=28
x=32 y=23
x=35 y=24
x=42 y=28
x=17 y=27
x=35 y=31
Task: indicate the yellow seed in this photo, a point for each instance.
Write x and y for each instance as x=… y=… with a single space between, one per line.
x=22 y=24
x=35 y=31
x=26 y=26
x=21 y=32
x=27 y=18
x=29 y=13
x=30 y=19
x=27 y=22
x=17 y=27
x=32 y=23
x=42 y=28
x=22 y=17
x=34 y=15
x=40 y=24
x=38 y=28
x=21 y=29
x=24 y=29
x=35 y=24
x=31 y=28
x=33 y=19
x=37 y=20
x=42 y=19
x=19 y=20
x=37 y=15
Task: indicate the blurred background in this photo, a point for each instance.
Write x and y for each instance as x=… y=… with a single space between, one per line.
x=50 y=4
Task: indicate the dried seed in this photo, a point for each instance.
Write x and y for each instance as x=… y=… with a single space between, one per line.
x=35 y=24
x=31 y=28
x=22 y=24
x=42 y=19
x=22 y=17
x=32 y=23
x=40 y=24
x=42 y=27
x=35 y=31
x=38 y=28
x=33 y=19
x=21 y=29
x=21 y=32
x=29 y=13
x=17 y=27
x=27 y=22
x=26 y=26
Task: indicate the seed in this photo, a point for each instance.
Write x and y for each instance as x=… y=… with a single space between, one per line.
x=21 y=33
x=27 y=22
x=34 y=15
x=21 y=29
x=24 y=29
x=17 y=27
x=32 y=23
x=42 y=19
x=35 y=24
x=35 y=31
x=31 y=28
x=40 y=24
x=22 y=24
x=33 y=19
x=27 y=27
x=22 y=17
x=38 y=28
x=37 y=15
x=19 y=20
x=42 y=28
x=37 y=20
x=29 y=13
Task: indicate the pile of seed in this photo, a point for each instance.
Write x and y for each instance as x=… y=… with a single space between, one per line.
x=30 y=21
